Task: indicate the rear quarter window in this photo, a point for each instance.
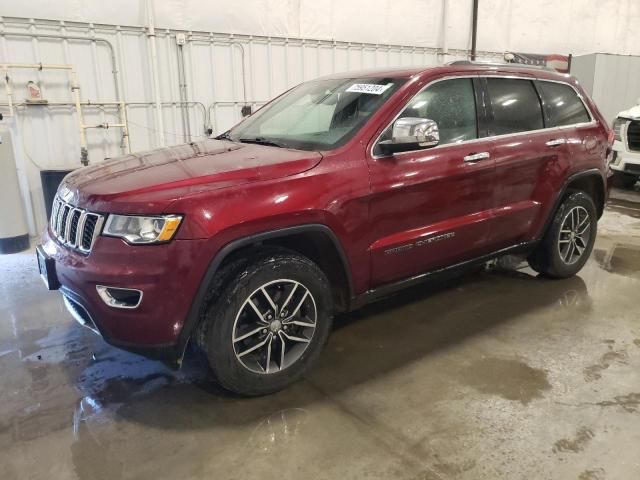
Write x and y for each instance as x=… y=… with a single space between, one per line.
x=515 y=104
x=562 y=104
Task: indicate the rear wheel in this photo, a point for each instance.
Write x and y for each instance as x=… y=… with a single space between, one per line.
x=269 y=324
x=569 y=240
x=624 y=180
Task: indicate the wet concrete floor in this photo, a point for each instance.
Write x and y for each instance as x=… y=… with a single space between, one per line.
x=493 y=375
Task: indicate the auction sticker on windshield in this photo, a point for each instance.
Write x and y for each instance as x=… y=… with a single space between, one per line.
x=371 y=88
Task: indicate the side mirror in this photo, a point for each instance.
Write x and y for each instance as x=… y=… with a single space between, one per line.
x=411 y=133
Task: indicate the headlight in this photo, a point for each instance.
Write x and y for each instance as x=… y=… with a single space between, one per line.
x=136 y=229
x=618 y=123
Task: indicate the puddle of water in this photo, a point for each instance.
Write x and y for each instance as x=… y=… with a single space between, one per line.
x=623 y=259
x=511 y=379
x=278 y=430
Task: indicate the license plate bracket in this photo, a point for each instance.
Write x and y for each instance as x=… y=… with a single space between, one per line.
x=47 y=269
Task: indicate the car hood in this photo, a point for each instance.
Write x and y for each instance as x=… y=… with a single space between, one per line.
x=633 y=113
x=149 y=181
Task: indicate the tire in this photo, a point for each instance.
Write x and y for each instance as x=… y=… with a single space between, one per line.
x=624 y=180
x=553 y=256
x=303 y=325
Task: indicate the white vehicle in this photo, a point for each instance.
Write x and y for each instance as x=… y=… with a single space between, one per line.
x=626 y=148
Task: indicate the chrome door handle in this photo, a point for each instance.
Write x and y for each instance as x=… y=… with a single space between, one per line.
x=555 y=142
x=474 y=157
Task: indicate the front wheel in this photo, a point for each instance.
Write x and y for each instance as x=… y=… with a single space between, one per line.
x=569 y=240
x=269 y=324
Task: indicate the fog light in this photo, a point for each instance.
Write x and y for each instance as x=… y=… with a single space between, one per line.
x=120 y=297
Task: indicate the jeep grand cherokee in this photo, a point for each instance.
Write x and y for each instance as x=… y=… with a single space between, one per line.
x=340 y=191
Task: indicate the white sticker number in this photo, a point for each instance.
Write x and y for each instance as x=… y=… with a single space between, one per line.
x=370 y=88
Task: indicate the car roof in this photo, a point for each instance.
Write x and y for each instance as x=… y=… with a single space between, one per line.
x=456 y=69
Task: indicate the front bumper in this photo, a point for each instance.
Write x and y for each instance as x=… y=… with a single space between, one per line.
x=625 y=160
x=168 y=274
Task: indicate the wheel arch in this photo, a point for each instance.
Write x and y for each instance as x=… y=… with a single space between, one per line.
x=315 y=241
x=589 y=181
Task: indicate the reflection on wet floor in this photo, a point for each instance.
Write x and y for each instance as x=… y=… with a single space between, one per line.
x=620 y=258
x=494 y=374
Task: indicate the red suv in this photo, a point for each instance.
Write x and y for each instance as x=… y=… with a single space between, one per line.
x=338 y=192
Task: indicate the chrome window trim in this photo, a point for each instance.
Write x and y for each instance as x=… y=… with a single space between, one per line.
x=592 y=122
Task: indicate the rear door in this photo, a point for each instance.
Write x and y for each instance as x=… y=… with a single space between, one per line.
x=566 y=109
x=430 y=208
x=531 y=159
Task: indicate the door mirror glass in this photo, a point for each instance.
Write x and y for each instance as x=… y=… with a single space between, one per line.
x=411 y=133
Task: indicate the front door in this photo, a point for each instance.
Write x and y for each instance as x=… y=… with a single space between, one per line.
x=431 y=208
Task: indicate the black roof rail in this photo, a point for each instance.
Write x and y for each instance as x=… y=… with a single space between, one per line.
x=497 y=64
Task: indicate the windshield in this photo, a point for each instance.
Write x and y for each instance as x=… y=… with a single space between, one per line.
x=319 y=115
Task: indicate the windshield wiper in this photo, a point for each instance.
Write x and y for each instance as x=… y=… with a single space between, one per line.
x=225 y=136
x=262 y=141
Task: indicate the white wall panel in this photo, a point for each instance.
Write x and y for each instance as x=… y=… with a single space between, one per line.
x=611 y=80
x=220 y=78
x=543 y=26
x=550 y=26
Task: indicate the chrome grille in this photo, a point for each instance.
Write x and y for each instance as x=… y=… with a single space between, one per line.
x=75 y=227
x=633 y=135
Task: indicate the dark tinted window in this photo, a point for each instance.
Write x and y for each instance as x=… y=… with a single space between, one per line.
x=516 y=106
x=451 y=104
x=563 y=104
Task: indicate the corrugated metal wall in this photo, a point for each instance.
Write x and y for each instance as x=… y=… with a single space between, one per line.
x=613 y=81
x=222 y=73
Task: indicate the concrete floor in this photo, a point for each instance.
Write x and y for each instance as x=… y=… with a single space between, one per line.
x=495 y=375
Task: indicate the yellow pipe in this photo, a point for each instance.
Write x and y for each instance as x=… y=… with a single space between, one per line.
x=75 y=88
x=84 y=153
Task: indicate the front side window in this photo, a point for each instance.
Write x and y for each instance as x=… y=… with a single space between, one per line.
x=451 y=104
x=516 y=106
x=319 y=115
x=563 y=105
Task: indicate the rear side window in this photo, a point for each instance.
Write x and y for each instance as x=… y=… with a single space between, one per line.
x=563 y=105
x=516 y=106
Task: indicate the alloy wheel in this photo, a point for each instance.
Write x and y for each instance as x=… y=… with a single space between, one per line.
x=575 y=234
x=274 y=326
